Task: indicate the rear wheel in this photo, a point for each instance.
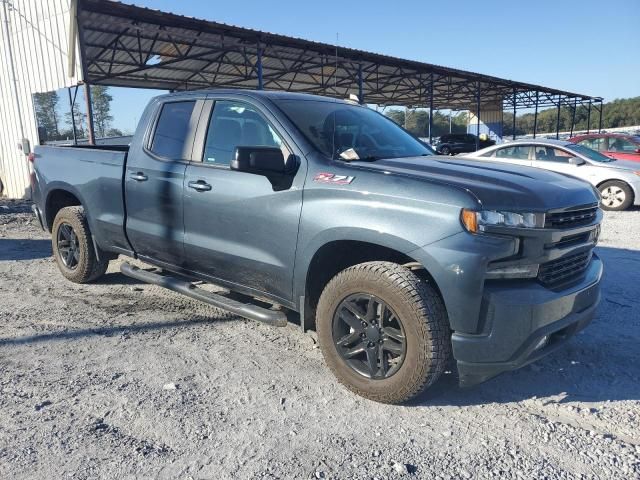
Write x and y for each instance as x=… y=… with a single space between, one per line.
x=383 y=331
x=615 y=195
x=73 y=247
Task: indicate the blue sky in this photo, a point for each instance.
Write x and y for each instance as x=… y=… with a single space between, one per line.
x=585 y=46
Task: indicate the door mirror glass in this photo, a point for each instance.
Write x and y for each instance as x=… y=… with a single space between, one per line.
x=260 y=160
x=576 y=161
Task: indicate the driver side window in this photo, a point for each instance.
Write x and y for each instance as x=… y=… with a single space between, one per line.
x=236 y=124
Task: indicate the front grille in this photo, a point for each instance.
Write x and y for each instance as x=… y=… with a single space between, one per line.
x=564 y=269
x=571 y=218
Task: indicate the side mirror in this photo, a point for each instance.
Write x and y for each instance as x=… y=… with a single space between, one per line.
x=261 y=161
x=576 y=161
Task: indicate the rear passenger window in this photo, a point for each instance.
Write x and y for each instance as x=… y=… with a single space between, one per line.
x=172 y=129
x=519 y=152
x=593 y=143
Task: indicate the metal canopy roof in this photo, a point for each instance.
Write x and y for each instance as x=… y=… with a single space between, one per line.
x=129 y=46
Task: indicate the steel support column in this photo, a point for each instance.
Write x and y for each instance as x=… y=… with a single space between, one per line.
x=535 y=117
x=360 y=85
x=478 y=117
x=91 y=133
x=600 y=120
x=589 y=117
x=558 y=118
x=73 y=118
x=573 y=116
x=514 y=114
x=431 y=111
x=259 y=68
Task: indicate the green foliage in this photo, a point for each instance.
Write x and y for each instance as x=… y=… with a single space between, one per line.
x=101 y=102
x=619 y=113
x=417 y=122
x=45 y=106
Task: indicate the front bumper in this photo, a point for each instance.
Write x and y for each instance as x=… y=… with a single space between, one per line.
x=523 y=322
x=38 y=215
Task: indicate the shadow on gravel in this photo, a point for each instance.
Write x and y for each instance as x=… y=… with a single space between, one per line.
x=116 y=278
x=24 y=249
x=601 y=363
x=112 y=331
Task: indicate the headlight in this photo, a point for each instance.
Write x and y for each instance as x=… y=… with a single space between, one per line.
x=475 y=221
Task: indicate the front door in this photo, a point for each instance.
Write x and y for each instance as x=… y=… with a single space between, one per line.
x=555 y=159
x=238 y=228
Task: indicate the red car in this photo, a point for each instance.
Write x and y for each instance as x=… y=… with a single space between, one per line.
x=613 y=145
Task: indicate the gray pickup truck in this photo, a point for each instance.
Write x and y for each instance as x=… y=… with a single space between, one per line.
x=398 y=259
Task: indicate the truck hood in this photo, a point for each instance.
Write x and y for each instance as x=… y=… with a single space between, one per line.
x=496 y=185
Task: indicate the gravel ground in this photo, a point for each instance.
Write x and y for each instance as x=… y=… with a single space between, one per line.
x=125 y=380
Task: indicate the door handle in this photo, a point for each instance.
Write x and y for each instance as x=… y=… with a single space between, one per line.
x=200 y=186
x=139 y=177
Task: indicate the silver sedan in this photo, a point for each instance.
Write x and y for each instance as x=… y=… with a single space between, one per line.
x=617 y=181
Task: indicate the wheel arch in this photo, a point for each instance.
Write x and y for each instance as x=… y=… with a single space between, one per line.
x=59 y=197
x=636 y=194
x=336 y=255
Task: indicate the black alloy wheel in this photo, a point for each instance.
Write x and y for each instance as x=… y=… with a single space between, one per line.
x=369 y=336
x=68 y=246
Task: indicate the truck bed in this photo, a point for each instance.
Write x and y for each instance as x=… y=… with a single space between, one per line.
x=94 y=174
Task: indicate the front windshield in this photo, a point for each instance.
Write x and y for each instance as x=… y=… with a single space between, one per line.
x=351 y=132
x=588 y=153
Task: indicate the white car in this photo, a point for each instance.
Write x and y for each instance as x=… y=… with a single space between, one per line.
x=618 y=181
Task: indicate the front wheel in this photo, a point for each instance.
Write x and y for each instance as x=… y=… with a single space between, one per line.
x=615 y=195
x=73 y=247
x=445 y=151
x=383 y=331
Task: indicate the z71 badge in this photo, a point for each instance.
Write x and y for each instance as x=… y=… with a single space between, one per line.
x=333 y=178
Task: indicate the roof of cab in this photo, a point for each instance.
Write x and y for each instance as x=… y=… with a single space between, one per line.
x=270 y=94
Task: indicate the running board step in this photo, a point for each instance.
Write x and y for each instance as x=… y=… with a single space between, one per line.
x=275 y=318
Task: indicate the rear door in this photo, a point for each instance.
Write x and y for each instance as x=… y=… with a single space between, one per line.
x=515 y=154
x=239 y=229
x=154 y=180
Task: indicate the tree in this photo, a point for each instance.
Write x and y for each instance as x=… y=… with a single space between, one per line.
x=46 y=113
x=101 y=103
x=80 y=119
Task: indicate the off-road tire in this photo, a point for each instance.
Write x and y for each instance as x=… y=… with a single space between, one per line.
x=424 y=319
x=89 y=268
x=628 y=195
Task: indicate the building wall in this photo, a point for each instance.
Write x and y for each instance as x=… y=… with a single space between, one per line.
x=490 y=122
x=38 y=40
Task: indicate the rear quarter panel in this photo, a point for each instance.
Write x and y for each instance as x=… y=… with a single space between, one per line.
x=95 y=178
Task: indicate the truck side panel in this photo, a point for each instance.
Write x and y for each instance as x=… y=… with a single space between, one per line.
x=94 y=177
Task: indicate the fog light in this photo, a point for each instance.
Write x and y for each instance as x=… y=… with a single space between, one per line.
x=513 y=271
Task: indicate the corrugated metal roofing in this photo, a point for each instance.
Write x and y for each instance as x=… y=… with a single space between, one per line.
x=126 y=45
